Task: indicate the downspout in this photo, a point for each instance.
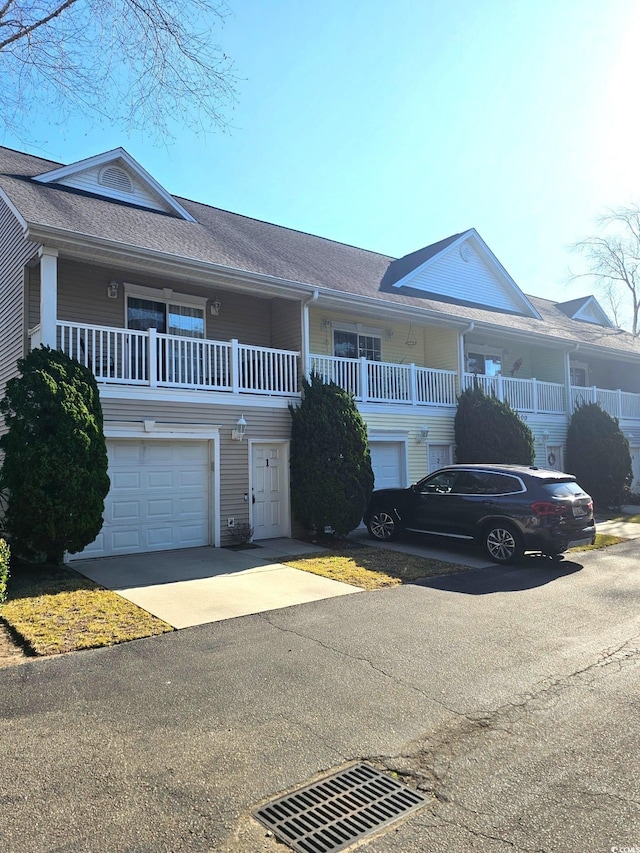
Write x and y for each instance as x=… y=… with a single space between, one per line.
x=470 y=328
x=567 y=376
x=305 y=331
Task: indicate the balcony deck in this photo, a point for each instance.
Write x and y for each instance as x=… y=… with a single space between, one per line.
x=128 y=357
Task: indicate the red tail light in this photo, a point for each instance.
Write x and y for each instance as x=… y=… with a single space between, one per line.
x=549 y=508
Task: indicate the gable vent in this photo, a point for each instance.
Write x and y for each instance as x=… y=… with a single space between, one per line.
x=116 y=179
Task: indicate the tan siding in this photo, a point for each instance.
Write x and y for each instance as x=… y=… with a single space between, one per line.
x=440 y=432
x=435 y=346
x=15 y=252
x=262 y=423
x=82 y=298
x=286 y=324
x=441 y=348
x=547 y=365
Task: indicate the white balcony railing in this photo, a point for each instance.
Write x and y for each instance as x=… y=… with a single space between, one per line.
x=383 y=382
x=619 y=404
x=523 y=395
x=127 y=357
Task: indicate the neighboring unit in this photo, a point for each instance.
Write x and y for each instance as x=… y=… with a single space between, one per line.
x=199 y=324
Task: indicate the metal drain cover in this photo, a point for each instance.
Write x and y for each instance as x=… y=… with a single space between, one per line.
x=340 y=809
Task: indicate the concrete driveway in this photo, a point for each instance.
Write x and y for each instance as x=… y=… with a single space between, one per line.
x=200 y=585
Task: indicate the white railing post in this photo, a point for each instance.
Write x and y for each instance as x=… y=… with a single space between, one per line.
x=235 y=365
x=619 y=398
x=534 y=395
x=500 y=388
x=364 y=379
x=413 y=384
x=152 y=357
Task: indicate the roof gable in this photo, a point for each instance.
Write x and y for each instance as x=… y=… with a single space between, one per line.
x=116 y=175
x=463 y=269
x=587 y=309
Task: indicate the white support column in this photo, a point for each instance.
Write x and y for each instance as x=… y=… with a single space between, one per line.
x=48 y=295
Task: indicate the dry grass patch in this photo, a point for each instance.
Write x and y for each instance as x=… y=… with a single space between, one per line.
x=372 y=567
x=55 y=610
x=603 y=540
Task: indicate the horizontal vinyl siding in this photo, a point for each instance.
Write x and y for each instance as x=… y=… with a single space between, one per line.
x=440 y=432
x=262 y=423
x=547 y=365
x=465 y=281
x=435 y=346
x=82 y=298
x=15 y=252
x=286 y=324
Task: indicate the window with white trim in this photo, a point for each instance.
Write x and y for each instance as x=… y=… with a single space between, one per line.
x=176 y=314
x=353 y=344
x=484 y=364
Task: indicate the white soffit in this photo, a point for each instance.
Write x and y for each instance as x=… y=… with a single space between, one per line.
x=116 y=175
x=467 y=271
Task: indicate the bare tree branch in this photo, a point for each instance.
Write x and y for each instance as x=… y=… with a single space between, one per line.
x=613 y=260
x=145 y=65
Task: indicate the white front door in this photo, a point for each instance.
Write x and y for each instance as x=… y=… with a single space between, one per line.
x=269 y=494
x=439 y=456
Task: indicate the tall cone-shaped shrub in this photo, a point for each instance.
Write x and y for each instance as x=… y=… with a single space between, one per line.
x=331 y=474
x=54 y=473
x=598 y=455
x=487 y=430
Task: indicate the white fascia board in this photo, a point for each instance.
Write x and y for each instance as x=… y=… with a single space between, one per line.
x=338 y=300
x=109 y=156
x=125 y=251
x=489 y=257
x=21 y=220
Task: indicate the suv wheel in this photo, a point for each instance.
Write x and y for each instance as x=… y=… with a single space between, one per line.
x=383 y=525
x=502 y=543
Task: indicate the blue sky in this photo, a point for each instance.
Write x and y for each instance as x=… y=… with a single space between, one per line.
x=393 y=125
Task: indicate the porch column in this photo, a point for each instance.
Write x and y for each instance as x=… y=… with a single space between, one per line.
x=48 y=295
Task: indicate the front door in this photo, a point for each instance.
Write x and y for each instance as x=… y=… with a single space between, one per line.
x=269 y=496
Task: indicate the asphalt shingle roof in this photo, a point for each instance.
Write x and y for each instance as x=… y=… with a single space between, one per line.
x=245 y=244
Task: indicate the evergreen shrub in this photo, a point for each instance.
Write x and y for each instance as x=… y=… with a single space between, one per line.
x=54 y=473
x=331 y=474
x=487 y=430
x=598 y=455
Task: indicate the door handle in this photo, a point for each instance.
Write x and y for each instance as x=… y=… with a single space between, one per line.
x=253 y=499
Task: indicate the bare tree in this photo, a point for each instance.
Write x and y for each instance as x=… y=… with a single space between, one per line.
x=146 y=65
x=613 y=258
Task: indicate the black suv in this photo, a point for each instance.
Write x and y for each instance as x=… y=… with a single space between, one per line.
x=508 y=509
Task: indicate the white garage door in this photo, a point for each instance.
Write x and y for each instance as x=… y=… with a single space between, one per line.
x=159 y=498
x=387 y=462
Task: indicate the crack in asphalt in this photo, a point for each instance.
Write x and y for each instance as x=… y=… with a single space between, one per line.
x=425 y=763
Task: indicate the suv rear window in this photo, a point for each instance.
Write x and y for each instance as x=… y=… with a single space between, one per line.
x=562 y=489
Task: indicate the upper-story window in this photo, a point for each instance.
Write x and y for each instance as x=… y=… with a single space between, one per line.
x=175 y=314
x=579 y=374
x=485 y=364
x=347 y=344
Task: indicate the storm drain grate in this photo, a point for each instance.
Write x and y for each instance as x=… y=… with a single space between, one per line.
x=340 y=809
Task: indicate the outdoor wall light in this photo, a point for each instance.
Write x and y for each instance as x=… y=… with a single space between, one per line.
x=545 y=435
x=112 y=289
x=241 y=427
x=423 y=434
x=215 y=307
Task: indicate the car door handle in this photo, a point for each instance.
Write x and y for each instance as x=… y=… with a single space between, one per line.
x=488 y=503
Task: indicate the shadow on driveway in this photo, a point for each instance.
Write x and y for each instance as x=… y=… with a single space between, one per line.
x=532 y=572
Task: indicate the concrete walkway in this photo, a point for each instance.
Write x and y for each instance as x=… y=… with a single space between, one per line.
x=201 y=585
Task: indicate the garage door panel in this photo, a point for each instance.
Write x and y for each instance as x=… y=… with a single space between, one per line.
x=387 y=463
x=158 y=500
